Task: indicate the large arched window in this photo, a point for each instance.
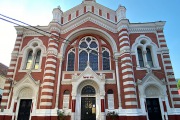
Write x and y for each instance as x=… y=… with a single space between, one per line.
x=29 y=59
x=149 y=57
x=37 y=60
x=88 y=52
x=71 y=57
x=106 y=59
x=88 y=90
x=140 y=57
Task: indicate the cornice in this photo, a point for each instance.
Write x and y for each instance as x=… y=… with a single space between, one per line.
x=146 y=27
x=92 y=18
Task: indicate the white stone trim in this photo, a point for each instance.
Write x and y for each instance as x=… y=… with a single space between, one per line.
x=50 y=71
x=128 y=76
x=124 y=42
x=51 y=60
x=50 y=65
x=128 y=83
x=129 y=89
x=48 y=83
x=46 y=103
x=49 y=77
x=130 y=96
x=10 y=73
x=123 y=37
x=130 y=103
x=53 y=44
x=46 y=97
x=127 y=70
x=123 y=32
x=48 y=90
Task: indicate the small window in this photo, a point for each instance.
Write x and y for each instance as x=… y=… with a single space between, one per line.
x=71 y=57
x=110 y=97
x=140 y=57
x=66 y=97
x=29 y=60
x=37 y=60
x=83 y=58
x=106 y=61
x=149 y=57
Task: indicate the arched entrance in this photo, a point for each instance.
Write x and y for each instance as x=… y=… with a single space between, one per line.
x=152 y=103
x=88 y=103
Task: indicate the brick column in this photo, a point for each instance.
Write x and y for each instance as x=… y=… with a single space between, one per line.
x=73 y=107
x=6 y=99
x=102 y=108
x=127 y=75
x=48 y=87
x=172 y=87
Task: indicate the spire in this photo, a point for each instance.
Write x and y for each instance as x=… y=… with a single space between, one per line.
x=89 y=0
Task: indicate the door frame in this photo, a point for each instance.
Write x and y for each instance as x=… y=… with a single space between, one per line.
x=18 y=105
x=91 y=97
x=160 y=105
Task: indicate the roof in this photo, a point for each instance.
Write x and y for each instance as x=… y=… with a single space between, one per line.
x=3 y=69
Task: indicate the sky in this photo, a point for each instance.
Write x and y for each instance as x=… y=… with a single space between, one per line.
x=39 y=12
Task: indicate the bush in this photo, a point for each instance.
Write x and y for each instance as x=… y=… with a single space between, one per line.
x=112 y=115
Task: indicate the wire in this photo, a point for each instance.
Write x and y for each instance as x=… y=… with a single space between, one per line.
x=110 y=57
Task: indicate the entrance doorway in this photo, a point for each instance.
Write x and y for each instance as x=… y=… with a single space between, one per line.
x=153 y=107
x=88 y=103
x=24 y=109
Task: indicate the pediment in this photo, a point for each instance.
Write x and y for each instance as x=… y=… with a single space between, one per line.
x=27 y=79
x=88 y=74
x=151 y=78
x=107 y=24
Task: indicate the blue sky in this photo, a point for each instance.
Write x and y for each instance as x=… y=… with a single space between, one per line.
x=39 y=12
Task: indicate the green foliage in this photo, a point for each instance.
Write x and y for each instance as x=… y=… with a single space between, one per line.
x=178 y=84
x=113 y=115
x=61 y=115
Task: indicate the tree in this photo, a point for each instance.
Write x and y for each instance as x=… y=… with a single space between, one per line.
x=178 y=85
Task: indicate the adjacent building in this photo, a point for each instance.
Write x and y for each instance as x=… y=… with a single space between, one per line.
x=90 y=61
x=3 y=72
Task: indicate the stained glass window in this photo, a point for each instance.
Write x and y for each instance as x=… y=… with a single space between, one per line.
x=29 y=60
x=93 y=58
x=149 y=57
x=106 y=61
x=93 y=45
x=88 y=53
x=140 y=57
x=83 y=58
x=88 y=90
x=37 y=60
x=71 y=57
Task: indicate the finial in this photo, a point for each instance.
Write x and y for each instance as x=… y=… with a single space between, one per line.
x=59 y=7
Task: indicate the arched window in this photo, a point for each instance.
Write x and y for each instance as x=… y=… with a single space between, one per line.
x=37 y=60
x=93 y=58
x=149 y=57
x=140 y=57
x=87 y=90
x=110 y=97
x=83 y=58
x=29 y=60
x=106 y=59
x=71 y=57
x=88 y=53
x=66 y=97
